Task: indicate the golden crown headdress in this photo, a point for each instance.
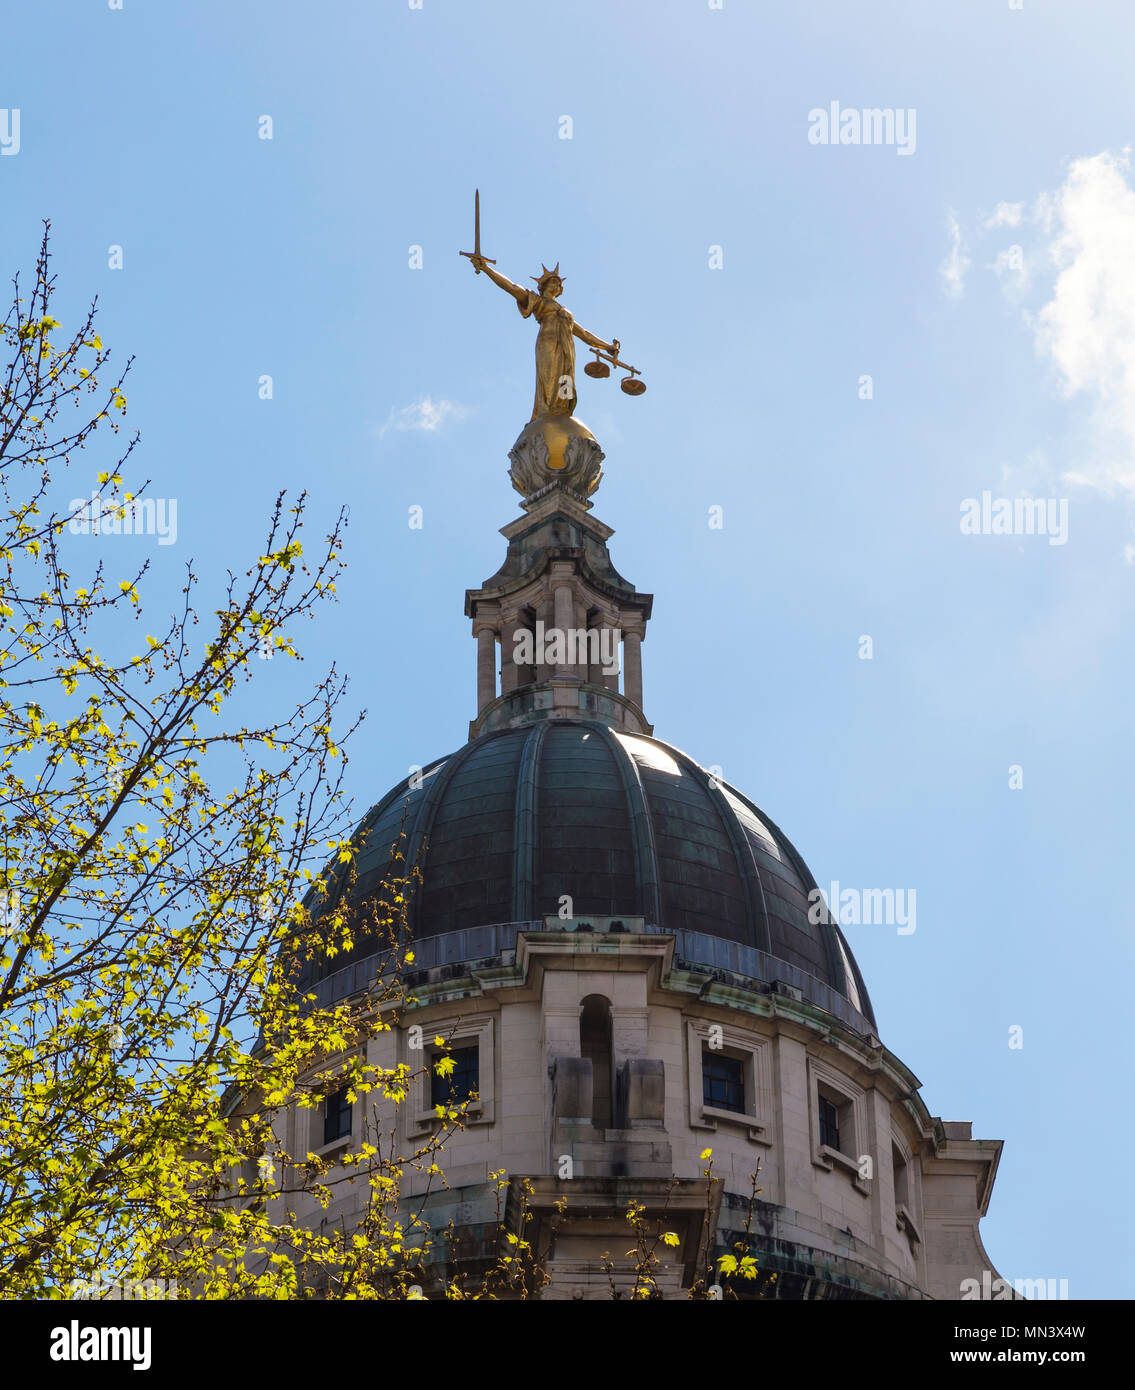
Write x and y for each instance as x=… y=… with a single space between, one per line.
x=542 y=280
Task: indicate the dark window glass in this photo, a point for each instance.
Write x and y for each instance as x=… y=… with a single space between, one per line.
x=901 y=1185
x=337 y=1116
x=829 y=1124
x=723 y=1082
x=461 y=1082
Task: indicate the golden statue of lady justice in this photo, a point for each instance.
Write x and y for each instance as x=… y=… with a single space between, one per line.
x=555 y=348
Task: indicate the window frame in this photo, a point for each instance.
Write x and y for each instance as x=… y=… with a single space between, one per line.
x=906 y=1207
x=754 y=1054
x=829 y=1122
x=343 y=1108
x=457 y=1048
x=477 y=1030
x=711 y=1057
x=850 y=1101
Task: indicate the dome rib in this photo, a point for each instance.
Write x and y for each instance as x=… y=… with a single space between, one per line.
x=835 y=960
x=830 y=933
x=648 y=896
x=746 y=859
x=424 y=820
x=526 y=827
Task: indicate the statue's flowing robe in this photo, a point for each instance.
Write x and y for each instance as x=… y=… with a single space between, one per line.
x=555 y=356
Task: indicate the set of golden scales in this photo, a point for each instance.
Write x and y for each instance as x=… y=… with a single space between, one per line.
x=555 y=400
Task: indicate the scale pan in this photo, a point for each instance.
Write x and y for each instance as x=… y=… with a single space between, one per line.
x=597 y=369
x=633 y=385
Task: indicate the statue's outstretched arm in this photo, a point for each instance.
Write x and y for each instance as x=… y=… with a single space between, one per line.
x=592 y=341
x=518 y=292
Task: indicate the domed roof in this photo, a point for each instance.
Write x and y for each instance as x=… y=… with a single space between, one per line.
x=624 y=825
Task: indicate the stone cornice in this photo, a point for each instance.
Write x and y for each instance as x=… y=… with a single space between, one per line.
x=514 y=586
x=865 y=1058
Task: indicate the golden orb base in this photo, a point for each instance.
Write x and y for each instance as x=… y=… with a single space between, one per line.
x=556 y=449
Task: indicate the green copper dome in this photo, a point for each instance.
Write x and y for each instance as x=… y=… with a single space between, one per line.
x=625 y=826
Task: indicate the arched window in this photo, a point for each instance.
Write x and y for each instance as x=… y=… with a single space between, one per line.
x=595 y=1043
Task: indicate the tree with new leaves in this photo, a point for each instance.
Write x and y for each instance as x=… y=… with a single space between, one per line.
x=163 y=886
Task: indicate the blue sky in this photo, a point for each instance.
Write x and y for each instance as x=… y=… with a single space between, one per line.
x=993 y=368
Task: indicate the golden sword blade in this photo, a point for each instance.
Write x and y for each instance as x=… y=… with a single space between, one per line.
x=475 y=254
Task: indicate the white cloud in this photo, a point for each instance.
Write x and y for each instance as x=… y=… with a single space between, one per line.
x=1005 y=215
x=953 y=268
x=1129 y=553
x=426 y=414
x=1087 y=328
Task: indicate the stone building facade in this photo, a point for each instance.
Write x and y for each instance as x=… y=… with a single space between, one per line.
x=619 y=946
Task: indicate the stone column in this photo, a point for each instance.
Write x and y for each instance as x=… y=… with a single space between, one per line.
x=486 y=667
x=545 y=615
x=565 y=619
x=510 y=673
x=632 y=667
x=609 y=622
x=593 y=668
x=579 y=619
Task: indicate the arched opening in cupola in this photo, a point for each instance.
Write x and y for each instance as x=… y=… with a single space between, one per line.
x=595 y=1044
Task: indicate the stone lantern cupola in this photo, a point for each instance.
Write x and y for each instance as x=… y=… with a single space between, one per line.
x=567 y=626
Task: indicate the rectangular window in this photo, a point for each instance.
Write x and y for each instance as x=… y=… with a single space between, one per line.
x=902 y=1187
x=461 y=1083
x=337 y=1116
x=829 y=1124
x=723 y=1081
